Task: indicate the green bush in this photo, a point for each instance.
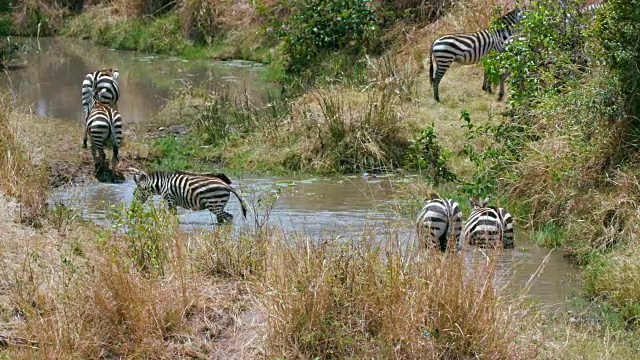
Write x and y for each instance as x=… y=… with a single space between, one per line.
x=617 y=29
x=316 y=27
x=426 y=153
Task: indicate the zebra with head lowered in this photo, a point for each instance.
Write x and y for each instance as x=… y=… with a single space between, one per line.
x=488 y=226
x=439 y=223
x=104 y=127
x=99 y=87
x=189 y=190
x=469 y=48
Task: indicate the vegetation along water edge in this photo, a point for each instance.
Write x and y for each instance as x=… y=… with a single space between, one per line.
x=353 y=96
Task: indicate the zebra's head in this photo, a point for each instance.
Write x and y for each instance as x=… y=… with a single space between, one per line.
x=144 y=186
x=477 y=204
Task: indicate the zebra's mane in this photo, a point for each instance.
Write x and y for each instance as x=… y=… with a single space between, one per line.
x=169 y=173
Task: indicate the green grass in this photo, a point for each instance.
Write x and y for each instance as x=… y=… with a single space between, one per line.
x=164 y=35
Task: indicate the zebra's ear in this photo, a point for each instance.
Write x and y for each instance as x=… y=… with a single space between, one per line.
x=485 y=202
x=138 y=176
x=472 y=203
x=116 y=73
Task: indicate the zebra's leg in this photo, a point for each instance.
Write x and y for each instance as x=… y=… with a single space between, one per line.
x=171 y=205
x=96 y=160
x=502 y=79
x=486 y=83
x=440 y=71
x=114 y=159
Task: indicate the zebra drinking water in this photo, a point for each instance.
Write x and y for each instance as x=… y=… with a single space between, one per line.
x=488 y=226
x=469 y=48
x=189 y=190
x=439 y=222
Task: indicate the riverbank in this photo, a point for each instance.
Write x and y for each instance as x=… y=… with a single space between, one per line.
x=69 y=289
x=555 y=162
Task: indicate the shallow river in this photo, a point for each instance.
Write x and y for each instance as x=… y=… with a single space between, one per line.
x=50 y=86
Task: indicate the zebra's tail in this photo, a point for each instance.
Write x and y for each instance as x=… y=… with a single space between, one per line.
x=243 y=204
x=431 y=65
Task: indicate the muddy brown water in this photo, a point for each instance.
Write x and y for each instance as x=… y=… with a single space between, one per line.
x=319 y=207
x=50 y=84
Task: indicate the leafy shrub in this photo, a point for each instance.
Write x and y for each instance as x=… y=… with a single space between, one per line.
x=426 y=153
x=315 y=27
x=147 y=233
x=496 y=161
x=617 y=30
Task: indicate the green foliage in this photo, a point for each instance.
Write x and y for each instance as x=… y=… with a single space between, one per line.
x=223 y=117
x=180 y=154
x=426 y=153
x=617 y=29
x=497 y=160
x=550 y=235
x=6 y=23
x=61 y=216
x=6 y=6
x=317 y=27
x=370 y=139
x=148 y=233
x=549 y=54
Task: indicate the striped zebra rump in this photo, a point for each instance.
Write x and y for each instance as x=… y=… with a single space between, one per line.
x=104 y=128
x=469 y=48
x=101 y=86
x=188 y=190
x=489 y=226
x=507 y=221
x=440 y=224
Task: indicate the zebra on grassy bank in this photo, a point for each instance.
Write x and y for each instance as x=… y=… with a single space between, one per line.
x=99 y=87
x=469 y=48
x=488 y=226
x=440 y=224
x=189 y=190
x=104 y=127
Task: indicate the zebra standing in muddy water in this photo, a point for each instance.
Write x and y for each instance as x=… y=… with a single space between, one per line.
x=469 y=48
x=439 y=222
x=99 y=87
x=104 y=127
x=189 y=190
x=488 y=226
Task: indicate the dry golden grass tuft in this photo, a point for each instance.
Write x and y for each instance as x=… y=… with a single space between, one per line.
x=364 y=299
x=18 y=177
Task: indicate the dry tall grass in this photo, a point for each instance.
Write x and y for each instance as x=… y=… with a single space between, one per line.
x=18 y=177
x=364 y=299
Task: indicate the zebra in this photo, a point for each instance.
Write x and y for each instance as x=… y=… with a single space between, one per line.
x=102 y=87
x=189 y=190
x=589 y=10
x=469 y=48
x=441 y=220
x=104 y=126
x=488 y=226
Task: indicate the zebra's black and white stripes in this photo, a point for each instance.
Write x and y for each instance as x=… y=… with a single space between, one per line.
x=188 y=190
x=440 y=224
x=488 y=226
x=104 y=127
x=99 y=87
x=469 y=48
